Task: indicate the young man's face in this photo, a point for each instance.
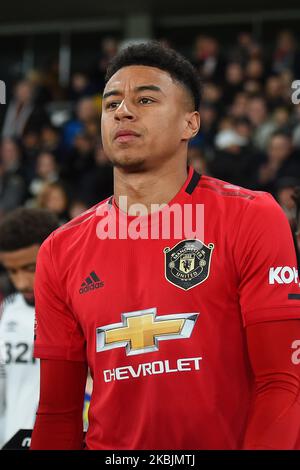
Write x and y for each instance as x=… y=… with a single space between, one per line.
x=147 y=118
x=20 y=265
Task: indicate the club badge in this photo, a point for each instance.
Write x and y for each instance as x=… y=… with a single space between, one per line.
x=187 y=264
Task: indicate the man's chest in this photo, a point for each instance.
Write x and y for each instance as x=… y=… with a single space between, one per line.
x=170 y=277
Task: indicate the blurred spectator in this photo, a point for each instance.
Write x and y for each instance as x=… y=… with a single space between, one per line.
x=50 y=141
x=46 y=172
x=296 y=126
x=79 y=160
x=86 y=113
x=77 y=207
x=258 y=115
x=197 y=160
x=274 y=92
x=234 y=76
x=280 y=161
x=51 y=80
x=286 y=55
x=97 y=181
x=296 y=137
x=212 y=93
x=286 y=78
x=108 y=48
x=21 y=234
x=242 y=51
x=252 y=87
x=12 y=188
x=209 y=118
x=243 y=127
x=281 y=118
x=226 y=122
x=53 y=196
x=255 y=50
x=31 y=145
x=208 y=59
x=239 y=107
x=285 y=190
x=22 y=113
x=234 y=161
x=255 y=70
x=38 y=79
x=81 y=86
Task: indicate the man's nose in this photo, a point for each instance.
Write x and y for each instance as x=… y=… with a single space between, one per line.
x=124 y=111
x=22 y=282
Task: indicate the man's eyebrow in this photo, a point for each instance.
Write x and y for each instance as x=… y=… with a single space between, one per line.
x=22 y=266
x=148 y=87
x=111 y=93
x=137 y=89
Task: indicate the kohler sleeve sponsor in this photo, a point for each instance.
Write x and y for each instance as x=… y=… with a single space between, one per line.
x=283 y=275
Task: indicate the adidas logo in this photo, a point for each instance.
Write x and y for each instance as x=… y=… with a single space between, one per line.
x=92 y=282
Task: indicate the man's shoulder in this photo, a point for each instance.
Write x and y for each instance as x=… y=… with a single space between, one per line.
x=237 y=207
x=231 y=193
x=79 y=222
x=78 y=225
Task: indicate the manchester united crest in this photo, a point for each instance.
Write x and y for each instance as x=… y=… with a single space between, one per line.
x=187 y=264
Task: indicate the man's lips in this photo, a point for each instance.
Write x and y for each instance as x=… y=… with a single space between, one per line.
x=126 y=135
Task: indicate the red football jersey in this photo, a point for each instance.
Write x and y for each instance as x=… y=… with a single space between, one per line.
x=160 y=320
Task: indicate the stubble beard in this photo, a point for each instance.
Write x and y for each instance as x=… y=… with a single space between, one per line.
x=129 y=164
x=30 y=302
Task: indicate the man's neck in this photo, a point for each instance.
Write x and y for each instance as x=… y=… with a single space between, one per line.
x=147 y=188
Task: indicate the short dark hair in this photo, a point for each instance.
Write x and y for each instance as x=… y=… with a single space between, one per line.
x=154 y=54
x=24 y=227
x=281 y=133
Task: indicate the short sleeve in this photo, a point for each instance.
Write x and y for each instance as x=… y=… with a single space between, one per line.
x=58 y=334
x=266 y=263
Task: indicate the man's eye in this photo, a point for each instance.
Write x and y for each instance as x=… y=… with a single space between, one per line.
x=11 y=272
x=112 y=105
x=146 y=100
x=30 y=269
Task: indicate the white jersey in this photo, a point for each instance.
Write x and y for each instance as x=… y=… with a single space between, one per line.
x=22 y=372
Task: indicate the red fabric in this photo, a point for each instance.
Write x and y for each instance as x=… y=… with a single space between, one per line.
x=274 y=420
x=59 y=417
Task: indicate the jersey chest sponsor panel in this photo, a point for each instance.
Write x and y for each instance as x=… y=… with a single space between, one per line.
x=167 y=352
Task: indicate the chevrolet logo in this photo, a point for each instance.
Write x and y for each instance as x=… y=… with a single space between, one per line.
x=140 y=331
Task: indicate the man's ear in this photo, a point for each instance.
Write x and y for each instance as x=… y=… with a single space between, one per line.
x=192 y=125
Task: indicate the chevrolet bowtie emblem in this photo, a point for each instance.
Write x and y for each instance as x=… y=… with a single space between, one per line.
x=140 y=331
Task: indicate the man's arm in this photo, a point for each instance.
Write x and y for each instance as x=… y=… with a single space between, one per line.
x=274 y=419
x=58 y=422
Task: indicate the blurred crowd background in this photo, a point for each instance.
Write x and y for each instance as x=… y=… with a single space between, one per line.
x=50 y=148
